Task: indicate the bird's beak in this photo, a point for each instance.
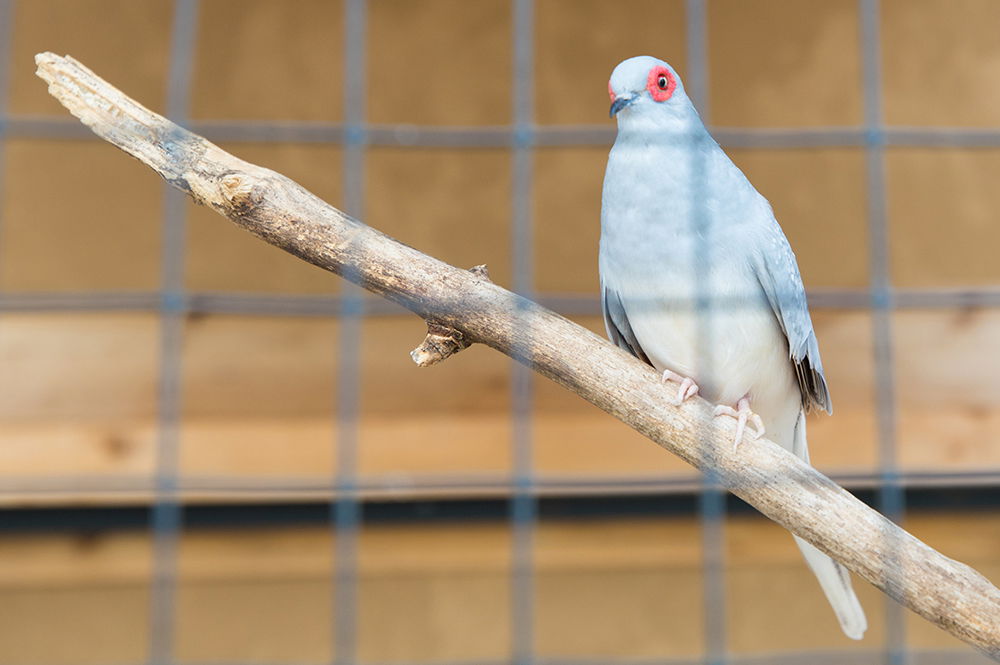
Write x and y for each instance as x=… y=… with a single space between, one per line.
x=619 y=104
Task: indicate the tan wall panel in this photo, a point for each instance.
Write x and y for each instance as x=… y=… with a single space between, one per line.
x=763 y=562
x=220 y=256
x=573 y=437
x=784 y=63
x=259 y=400
x=231 y=554
x=390 y=448
x=55 y=560
x=449 y=417
x=579 y=42
x=796 y=615
x=438 y=593
x=125 y=41
x=942 y=207
x=59 y=231
x=946 y=369
x=392 y=385
x=948 y=358
x=78 y=395
x=36 y=452
x=267 y=60
x=592 y=444
x=414 y=548
x=78 y=391
x=847 y=440
x=254 y=622
x=620 y=613
x=297 y=450
x=609 y=587
x=255 y=595
x=439 y=62
x=939 y=59
x=434 y=617
x=243 y=366
x=454 y=204
x=259 y=396
x=72 y=626
x=819 y=198
x=580 y=545
x=818 y=47
x=71 y=367
x=90 y=589
x=567 y=224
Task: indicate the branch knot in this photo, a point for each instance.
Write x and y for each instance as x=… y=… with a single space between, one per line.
x=441 y=342
x=239 y=190
x=444 y=341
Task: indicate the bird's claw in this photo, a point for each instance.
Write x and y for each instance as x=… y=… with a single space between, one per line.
x=688 y=387
x=743 y=415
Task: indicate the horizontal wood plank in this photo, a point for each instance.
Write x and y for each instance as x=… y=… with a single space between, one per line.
x=612 y=587
x=77 y=407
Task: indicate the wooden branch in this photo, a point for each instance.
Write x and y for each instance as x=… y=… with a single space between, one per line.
x=791 y=493
x=441 y=341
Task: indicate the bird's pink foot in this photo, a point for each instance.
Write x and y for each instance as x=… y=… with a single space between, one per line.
x=688 y=387
x=743 y=414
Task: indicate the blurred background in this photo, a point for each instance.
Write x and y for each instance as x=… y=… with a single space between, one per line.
x=211 y=452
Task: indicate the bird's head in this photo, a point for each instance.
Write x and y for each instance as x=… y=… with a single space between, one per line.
x=644 y=87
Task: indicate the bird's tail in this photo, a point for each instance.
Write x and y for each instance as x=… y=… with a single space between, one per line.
x=833 y=577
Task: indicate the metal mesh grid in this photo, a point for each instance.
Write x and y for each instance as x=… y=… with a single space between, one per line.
x=173 y=302
x=891 y=500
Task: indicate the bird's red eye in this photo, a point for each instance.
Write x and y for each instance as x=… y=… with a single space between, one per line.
x=611 y=91
x=661 y=83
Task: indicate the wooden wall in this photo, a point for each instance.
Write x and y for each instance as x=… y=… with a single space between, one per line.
x=604 y=589
x=78 y=389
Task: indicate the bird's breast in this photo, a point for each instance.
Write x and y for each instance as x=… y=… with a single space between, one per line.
x=728 y=341
x=678 y=230
x=697 y=309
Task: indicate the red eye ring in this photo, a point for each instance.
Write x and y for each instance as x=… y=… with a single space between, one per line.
x=611 y=91
x=661 y=83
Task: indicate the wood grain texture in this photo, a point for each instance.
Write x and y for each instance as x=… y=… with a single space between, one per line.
x=78 y=399
x=791 y=493
x=610 y=588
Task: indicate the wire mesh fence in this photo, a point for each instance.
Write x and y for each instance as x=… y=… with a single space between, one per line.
x=523 y=487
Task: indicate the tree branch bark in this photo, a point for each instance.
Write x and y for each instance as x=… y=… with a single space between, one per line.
x=463 y=306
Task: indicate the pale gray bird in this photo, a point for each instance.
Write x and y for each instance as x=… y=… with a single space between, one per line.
x=698 y=280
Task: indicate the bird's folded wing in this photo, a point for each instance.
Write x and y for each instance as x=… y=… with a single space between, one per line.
x=778 y=275
x=616 y=322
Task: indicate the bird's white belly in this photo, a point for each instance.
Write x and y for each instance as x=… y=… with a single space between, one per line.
x=731 y=349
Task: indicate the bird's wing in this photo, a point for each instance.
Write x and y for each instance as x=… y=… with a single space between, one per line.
x=616 y=322
x=778 y=274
